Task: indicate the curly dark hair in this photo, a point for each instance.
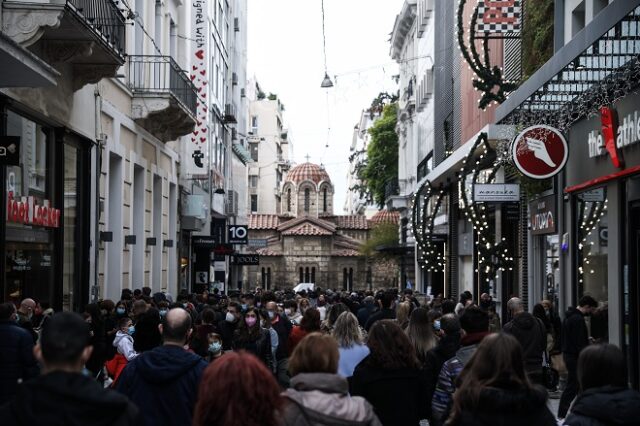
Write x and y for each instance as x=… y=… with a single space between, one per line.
x=390 y=348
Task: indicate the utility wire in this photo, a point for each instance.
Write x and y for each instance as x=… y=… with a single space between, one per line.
x=324 y=38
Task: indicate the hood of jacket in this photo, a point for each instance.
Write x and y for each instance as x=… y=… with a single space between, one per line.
x=610 y=405
x=327 y=395
x=165 y=363
x=465 y=353
x=119 y=336
x=71 y=398
x=572 y=311
x=525 y=321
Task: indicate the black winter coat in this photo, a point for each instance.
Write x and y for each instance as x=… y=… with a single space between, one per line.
x=606 y=406
x=532 y=335
x=508 y=407
x=575 y=336
x=163 y=383
x=398 y=396
x=68 y=399
x=16 y=358
x=260 y=347
x=436 y=357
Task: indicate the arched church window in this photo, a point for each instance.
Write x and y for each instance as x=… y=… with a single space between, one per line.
x=289 y=199
x=313 y=275
x=307 y=277
x=307 y=199
x=324 y=200
x=301 y=275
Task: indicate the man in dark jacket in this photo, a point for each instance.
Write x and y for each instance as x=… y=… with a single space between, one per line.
x=283 y=327
x=16 y=353
x=575 y=337
x=366 y=310
x=532 y=335
x=63 y=395
x=385 y=312
x=164 y=382
x=448 y=345
x=229 y=324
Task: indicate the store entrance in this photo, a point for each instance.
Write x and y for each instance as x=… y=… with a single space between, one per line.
x=632 y=295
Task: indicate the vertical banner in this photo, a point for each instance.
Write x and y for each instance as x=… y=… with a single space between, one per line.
x=197 y=158
x=499 y=16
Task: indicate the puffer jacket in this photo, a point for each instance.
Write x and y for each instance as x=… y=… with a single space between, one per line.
x=16 y=359
x=605 y=406
x=318 y=399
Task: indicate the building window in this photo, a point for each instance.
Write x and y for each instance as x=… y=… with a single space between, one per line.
x=345 y=286
x=324 y=200
x=263 y=280
x=253 y=181
x=307 y=277
x=307 y=199
x=313 y=275
x=289 y=199
x=350 y=280
x=253 y=147
x=254 y=203
x=268 y=278
x=254 y=124
x=301 y=275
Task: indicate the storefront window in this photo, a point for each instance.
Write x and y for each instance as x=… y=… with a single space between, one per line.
x=592 y=250
x=71 y=217
x=31 y=218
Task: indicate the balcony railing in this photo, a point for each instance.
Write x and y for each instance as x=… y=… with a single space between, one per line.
x=392 y=188
x=105 y=17
x=230 y=113
x=161 y=74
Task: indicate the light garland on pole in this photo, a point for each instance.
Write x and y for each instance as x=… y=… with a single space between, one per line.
x=422 y=225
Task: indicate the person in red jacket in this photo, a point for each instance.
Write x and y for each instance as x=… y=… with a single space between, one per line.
x=310 y=322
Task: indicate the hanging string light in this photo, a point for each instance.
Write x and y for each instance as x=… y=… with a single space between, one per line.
x=326 y=82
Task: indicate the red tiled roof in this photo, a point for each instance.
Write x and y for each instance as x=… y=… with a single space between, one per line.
x=264 y=221
x=307 y=229
x=385 y=216
x=356 y=221
x=307 y=171
x=345 y=253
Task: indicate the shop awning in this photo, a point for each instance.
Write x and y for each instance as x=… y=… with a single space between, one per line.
x=601 y=62
x=242 y=153
x=21 y=68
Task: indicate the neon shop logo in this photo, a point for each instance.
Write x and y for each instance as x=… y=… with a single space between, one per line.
x=614 y=137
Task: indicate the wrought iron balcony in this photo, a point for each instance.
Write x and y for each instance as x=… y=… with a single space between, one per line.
x=87 y=35
x=164 y=98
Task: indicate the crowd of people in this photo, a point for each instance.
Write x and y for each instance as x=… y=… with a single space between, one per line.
x=309 y=358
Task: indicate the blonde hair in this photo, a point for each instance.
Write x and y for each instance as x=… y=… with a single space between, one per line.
x=346 y=330
x=403 y=312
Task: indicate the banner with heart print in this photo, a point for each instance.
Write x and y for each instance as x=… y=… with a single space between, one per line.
x=197 y=158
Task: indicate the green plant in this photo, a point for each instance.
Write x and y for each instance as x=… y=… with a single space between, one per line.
x=537 y=35
x=272 y=96
x=384 y=234
x=261 y=95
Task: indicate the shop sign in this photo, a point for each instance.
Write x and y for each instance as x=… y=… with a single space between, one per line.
x=246 y=259
x=496 y=192
x=543 y=215
x=499 y=16
x=28 y=212
x=257 y=242
x=237 y=234
x=540 y=152
x=592 y=196
x=9 y=151
x=614 y=137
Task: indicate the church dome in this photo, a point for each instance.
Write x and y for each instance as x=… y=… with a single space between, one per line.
x=385 y=216
x=307 y=171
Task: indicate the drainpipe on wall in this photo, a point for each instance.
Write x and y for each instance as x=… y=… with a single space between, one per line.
x=101 y=140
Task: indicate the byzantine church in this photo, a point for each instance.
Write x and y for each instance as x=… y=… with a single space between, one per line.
x=307 y=243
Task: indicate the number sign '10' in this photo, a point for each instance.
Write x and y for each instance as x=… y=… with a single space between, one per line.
x=237 y=234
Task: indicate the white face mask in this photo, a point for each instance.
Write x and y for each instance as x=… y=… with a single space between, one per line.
x=230 y=317
x=287 y=312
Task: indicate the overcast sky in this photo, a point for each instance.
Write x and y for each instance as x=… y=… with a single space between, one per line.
x=285 y=55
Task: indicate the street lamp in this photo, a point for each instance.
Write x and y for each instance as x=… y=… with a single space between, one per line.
x=326 y=83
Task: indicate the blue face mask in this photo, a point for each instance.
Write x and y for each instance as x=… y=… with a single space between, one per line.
x=163 y=312
x=272 y=315
x=131 y=330
x=436 y=325
x=120 y=311
x=244 y=306
x=185 y=305
x=215 y=347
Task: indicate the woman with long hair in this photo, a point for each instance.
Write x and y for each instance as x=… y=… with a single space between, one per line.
x=238 y=389
x=249 y=336
x=319 y=396
x=540 y=313
x=402 y=314
x=390 y=377
x=605 y=397
x=310 y=322
x=494 y=388
x=347 y=333
x=420 y=333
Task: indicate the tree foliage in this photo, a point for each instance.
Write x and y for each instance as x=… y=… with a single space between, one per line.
x=537 y=35
x=384 y=234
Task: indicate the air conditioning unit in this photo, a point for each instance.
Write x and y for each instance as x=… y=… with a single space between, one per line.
x=425 y=9
x=234 y=79
x=236 y=24
x=231 y=208
x=425 y=90
x=243 y=93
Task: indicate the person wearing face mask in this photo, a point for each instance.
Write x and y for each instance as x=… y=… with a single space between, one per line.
x=125 y=351
x=283 y=329
x=227 y=327
x=200 y=341
x=25 y=315
x=121 y=310
x=214 y=349
x=322 y=307
x=291 y=312
x=249 y=336
x=303 y=305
